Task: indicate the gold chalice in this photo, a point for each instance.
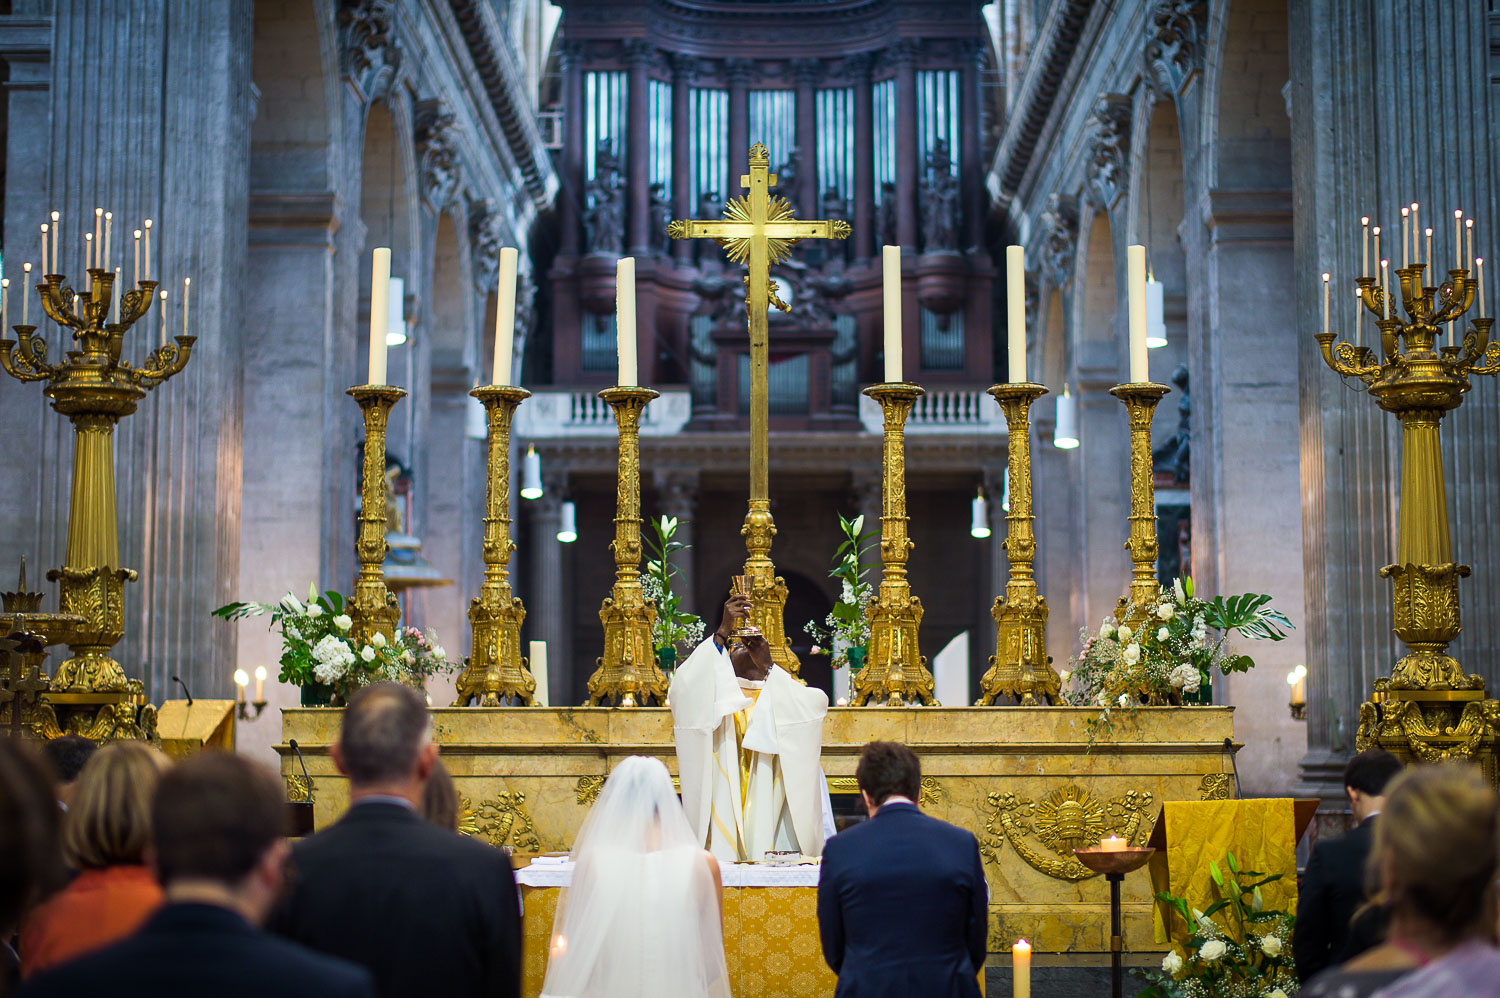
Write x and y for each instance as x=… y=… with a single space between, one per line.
x=742 y=585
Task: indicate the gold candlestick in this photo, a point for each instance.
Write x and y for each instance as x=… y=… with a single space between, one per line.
x=895 y=672
x=1429 y=708
x=1020 y=667
x=627 y=673
x=374 y=607
x=496 y=670
x=1145 y=590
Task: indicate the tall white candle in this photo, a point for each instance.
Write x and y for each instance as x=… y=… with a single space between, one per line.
x=1416 y=232
x=1469 y=236
x=1458 y=238
x=4 y=303
x=26 y=295
x=147 y=227
x=1364 y=246
x=1325 y=304
x=1405 y=235
x=137 y=276
x=163 y=317
x=56 y=239
x=115 y=294
x=380 y=307
x=1479 y=279
x=890 y=269
x=1428 y=257
x=109 y=221
x=1376 y=232
x=1015 y=308
x=1385 y=288
x=187 y=286
x=625 y=320
x=1135 y=267
x=45 y=258
x=1020 y=967
x=88 y=251
x=538 y=656
x=505 y=317
x=98 y=236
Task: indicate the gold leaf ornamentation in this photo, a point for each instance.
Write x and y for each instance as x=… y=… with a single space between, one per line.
x=1214 y=786
x=504 y=820
x=1068 y=818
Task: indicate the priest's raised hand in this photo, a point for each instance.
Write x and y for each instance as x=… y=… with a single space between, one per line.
x=749 y=744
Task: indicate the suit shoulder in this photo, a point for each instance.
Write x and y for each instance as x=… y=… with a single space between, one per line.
x=325 y=972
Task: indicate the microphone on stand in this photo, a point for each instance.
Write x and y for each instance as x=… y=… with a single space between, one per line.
x=185 y=692
x=301 y=810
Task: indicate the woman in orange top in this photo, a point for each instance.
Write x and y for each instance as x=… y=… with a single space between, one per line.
x=104 y=838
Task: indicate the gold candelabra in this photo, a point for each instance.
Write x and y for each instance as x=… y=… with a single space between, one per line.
x=496 y=671
x=627 y=673
x=1144 y=593
x=95 y=388
x=1428 y=708
x=895 y=672
x=1020 y=667
x=374 y=607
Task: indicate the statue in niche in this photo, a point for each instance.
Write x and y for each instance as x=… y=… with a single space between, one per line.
x=605 y=217
x=1175 y=455
x=885 y=214
x=661 y=216
x=939 y=201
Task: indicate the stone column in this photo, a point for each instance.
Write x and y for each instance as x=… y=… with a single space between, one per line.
x=864 y=161
x=970 y=167
x=684 y=71
x=677 y=496
x=570 y=198
x=808 y=73
x=908 y=156
x=738 y=72
x=547 y=607
x=638 y=55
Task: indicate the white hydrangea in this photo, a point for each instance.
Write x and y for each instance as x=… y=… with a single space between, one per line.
x=1271 y=945
x=333 y=657
x=439 y=654
x=1213 y=950
x=1185 y=678
x=1171 y=963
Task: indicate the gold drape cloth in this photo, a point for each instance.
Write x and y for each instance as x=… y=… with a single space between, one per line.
x=1262 y=835
x=1423 y=538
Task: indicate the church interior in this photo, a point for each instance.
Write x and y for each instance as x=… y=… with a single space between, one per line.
x=969 y=340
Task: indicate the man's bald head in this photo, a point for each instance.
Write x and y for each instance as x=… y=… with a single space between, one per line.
x=385 y=730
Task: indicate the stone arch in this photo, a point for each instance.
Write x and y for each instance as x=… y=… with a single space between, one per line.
x=295 y=66
x=1094 y=284
x=1053 y=343
x=448 y=333
x=1245 y=125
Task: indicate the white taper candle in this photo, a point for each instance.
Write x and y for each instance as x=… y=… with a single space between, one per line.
x=380 y=309
x=890 y=267
x=1325 y=304
x=1135 y=282
x=1458 y=238
x=505 y=317
x=147 y=227
x=625 y=320
x=1364 y=246
x=538 y=656
x=1015 y=308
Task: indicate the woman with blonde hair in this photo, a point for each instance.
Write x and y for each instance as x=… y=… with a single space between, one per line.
x=105 y=835
x=1435 y=858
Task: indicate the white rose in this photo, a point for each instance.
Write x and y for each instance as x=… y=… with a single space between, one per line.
x=343 y=622
x=378 y=640
x=1125 y=634
x=1131 y=654
x=1164 y=611
x=439 y=654
x=1212 y=950
x=1064 y=676
x=1162 y=634
x=367 y=653
x=1271 y=945
x=1275 y=993
x=1124 y=699
x=314 y=610
x=1106 y=630
x=409 y=658
x=1171 y=963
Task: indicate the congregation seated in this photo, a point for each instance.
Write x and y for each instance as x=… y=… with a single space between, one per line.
x=1435 y=856
x=29 y=859
x=105 y=834
x=217 y=824
x=427 y=911
x=67 y=755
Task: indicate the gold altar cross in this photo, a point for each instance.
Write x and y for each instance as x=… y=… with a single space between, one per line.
x=758 y=231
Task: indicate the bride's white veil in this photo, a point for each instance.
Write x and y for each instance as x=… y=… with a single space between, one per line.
x=641 y=919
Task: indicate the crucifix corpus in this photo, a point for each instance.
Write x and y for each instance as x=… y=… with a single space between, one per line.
x=758 y=230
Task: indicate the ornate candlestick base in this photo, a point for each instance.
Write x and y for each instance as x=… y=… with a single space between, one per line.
x=1020 y=667
x=374 y=607
x=767 y=589
x=895 y=672
x=495 y=671
x=1145 y=590
x=627 y=674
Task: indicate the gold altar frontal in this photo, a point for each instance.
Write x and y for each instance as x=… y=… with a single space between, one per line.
x=1025 y=780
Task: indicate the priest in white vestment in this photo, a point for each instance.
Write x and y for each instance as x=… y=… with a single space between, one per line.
x=749 y=743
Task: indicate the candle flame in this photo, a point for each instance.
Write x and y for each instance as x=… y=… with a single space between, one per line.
x=1325 y=277
x=148 y=223
x=240 y=677
x=1364 y=220
x=56 y=216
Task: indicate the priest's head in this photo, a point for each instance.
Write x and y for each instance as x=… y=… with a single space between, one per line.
x=749 y=653
x=385 y=746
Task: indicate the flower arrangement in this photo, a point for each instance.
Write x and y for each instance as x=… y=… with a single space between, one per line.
x=1238 y=947
x=1171 y=657
x=318 y=650
x=675 y=629
x=845 y=633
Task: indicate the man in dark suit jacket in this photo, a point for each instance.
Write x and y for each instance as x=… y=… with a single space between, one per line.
x=217 y=823
x=1333 y=886
x=428 y=911
x=902 y=900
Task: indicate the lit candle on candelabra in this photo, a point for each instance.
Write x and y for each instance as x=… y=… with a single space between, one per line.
x=1405 y=234
x=260 y=683
x=1376 y=232
x=625 y=320
x=98 y=236
x=1135 y=266
x=1469 y=236
x=1015 y=307
x=114 y=293
x=4 y=303
x=505 y=317
x=44 y=250
x=1385 y=288
x=26 y=298
x=1020 y=969
x=88 y=251
x=1479 y=280
x=1458 y=238
x=137 y=256
x=241 y=680
x=109 y=218
x=1364 y=245
x=380 y=303
x=147 y=226
x=1325 y=304
x=890 y=269
x=164 y=317
x=56 y=239
x=187 y=286
x=1428 y=257
x=1416 y=230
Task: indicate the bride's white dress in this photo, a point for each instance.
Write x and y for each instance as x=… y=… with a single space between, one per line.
x=641 y=919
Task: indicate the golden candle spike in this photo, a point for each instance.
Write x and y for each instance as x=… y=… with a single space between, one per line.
x=1145 y=591
x=758 y=230
x=895 y=672
x=627 y=673
x=374 y=607
x=1429 y=708
x=1020 y=667
x=495 y=670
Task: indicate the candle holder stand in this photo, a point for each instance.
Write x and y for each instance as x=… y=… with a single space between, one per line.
x=496 y=672
x=627 y=675
x=1429 y=708
x=1139 y=603
x=1020 y=667
x=1114 y=864
x=374 y=608
x=249 y=710
x=94 y=388
x=895 y=673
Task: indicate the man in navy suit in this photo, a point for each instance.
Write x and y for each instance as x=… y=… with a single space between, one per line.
x=902 y=900
x=216 y=823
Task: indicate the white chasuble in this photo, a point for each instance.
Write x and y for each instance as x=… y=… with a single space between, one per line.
x=748 y=757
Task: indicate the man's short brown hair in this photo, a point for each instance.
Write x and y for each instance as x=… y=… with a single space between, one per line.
x=888 y=769
x=385 y=727
x=214 y=817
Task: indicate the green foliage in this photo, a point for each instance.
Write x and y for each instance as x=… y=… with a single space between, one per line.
x=674 y=627
x=847 y=625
